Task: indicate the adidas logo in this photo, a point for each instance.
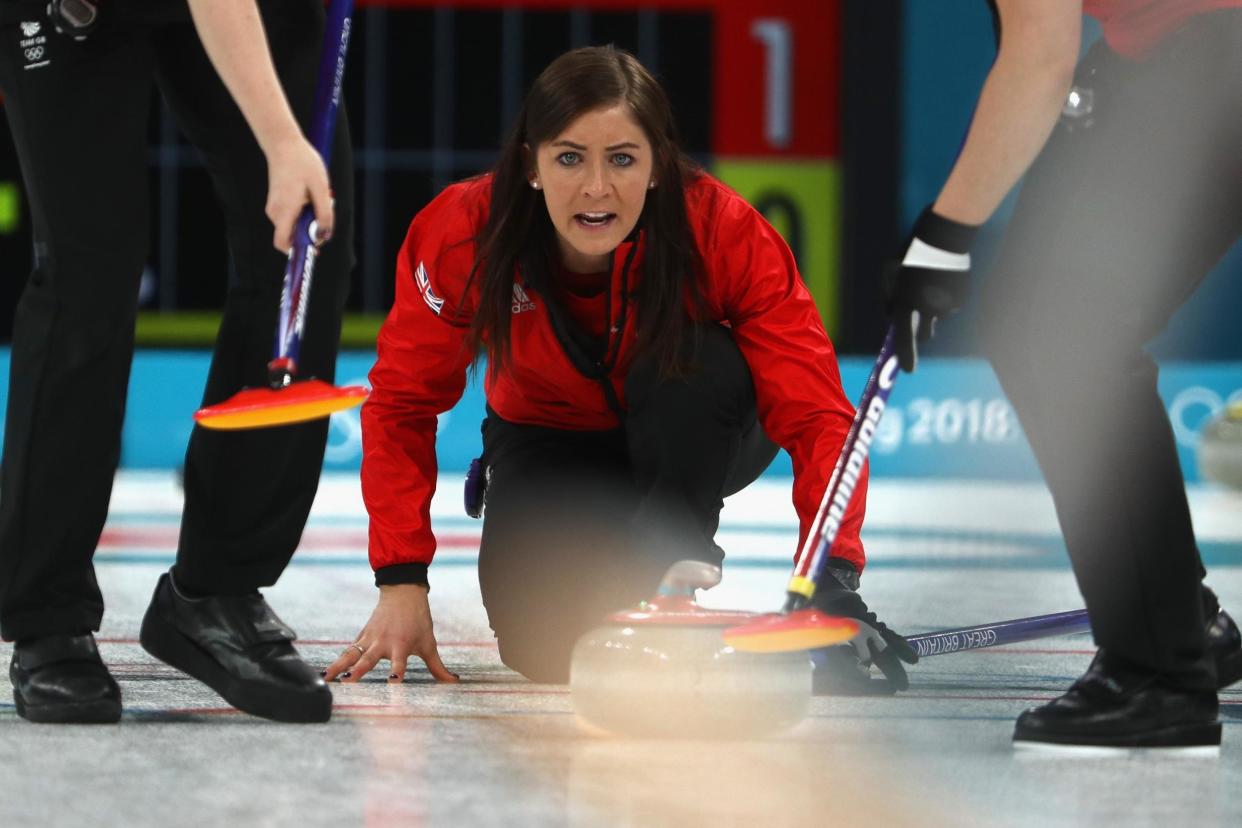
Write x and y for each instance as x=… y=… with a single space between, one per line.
x=521 y=300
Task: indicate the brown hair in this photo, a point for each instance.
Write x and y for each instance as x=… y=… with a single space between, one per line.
x=519 y=234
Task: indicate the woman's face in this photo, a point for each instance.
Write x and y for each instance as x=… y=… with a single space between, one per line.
x=594 y=177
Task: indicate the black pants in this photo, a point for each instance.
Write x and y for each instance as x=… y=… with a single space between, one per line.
x=1118 y=222
x=580 y=524
x=80 y=126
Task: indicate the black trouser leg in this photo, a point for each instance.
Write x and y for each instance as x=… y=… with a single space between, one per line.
x=560 y=548
x=248 y=493
x=692 y=442
x=79 y=123
x=556 y=554
x=1116 y=225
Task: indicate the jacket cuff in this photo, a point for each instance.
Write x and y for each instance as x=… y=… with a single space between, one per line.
x=409 y=573
x=944 y=233
x=844 y=572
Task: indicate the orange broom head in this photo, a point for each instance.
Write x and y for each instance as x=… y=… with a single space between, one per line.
x=297 y=402
x=805 y=629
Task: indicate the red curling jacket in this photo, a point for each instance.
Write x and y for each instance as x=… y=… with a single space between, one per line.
x=751 y=283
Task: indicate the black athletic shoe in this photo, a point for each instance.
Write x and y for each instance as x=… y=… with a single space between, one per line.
x=238 y=647
x=61 y=679
x=1224 y=641
x=1115 y=706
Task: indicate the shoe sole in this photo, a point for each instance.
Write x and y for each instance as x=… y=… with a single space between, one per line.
x=165 y=642
x=1049 y=751
x=96 y=712
x=1202 y=735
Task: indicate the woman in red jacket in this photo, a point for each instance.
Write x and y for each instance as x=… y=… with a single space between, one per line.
x=648 y=337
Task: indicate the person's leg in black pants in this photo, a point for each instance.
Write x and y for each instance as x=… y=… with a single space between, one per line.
x=248 y=493
x=1116 y=226
x=580 y=524
x=555 y=554
x=79 y=123
x=692 y=442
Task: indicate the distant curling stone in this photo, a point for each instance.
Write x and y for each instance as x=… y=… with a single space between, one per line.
x=664 y=670
x=1220 y=448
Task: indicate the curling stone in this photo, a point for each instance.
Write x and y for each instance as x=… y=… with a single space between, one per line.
x=1220 y=448
x=663 y=669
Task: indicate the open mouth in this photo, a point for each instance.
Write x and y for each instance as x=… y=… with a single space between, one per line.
x=595 y=221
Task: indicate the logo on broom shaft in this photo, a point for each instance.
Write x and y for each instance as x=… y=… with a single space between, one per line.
x=308 y=265
x=339 y=76
x=955 y=642
x=858 y=455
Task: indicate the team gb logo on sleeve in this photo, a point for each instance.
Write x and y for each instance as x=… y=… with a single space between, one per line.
x=429 y=293
x=33 y=44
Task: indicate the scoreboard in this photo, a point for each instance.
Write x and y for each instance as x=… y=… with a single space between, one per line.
x=776 y=126
x=432 y=86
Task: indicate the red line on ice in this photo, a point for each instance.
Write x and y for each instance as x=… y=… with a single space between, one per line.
x=321 y=642
x=165 y=537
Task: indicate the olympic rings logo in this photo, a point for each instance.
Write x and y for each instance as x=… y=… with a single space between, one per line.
x=34 y=53
x=1193 y=408
x=344 y=445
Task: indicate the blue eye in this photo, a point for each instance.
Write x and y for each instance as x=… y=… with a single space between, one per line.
x=622 y=159
x=568 y=159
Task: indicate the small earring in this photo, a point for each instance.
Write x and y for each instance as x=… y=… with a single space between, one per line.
x=651 y=184
x=534 y=185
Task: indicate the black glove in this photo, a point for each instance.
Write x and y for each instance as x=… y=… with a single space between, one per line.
x=931 y=281
x=846 y=668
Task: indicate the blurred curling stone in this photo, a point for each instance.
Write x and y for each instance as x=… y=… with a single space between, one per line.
x=663 y=669
x=1220 y=448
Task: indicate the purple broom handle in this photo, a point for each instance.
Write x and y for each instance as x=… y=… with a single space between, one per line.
x=809 y=565
x=296 y=291
x=331 y=75
x=812 y=558
x=1000 y=632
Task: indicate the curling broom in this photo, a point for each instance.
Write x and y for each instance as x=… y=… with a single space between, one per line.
x=798 y=626
x=287 y=400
